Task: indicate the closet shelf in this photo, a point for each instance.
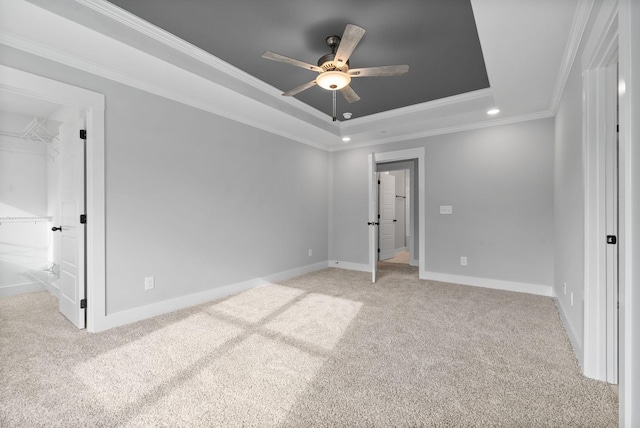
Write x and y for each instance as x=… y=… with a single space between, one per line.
x=33 y=219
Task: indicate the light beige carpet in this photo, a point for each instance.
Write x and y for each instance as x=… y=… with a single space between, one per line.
x=326 y=349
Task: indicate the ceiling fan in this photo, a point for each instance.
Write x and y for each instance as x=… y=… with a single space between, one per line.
x=333 y=68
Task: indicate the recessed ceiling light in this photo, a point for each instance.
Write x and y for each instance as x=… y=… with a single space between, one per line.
x=493 y=111
x=346 y=139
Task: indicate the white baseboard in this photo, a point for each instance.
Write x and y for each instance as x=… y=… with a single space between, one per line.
x=15 y=289
x=520 y=287
x=53 y=288
x=401 y=250
x=166 y=306
x=349 y=266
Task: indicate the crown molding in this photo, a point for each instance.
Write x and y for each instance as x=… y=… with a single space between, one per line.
x=421 y=108
x=447 y=130
x=580 y=20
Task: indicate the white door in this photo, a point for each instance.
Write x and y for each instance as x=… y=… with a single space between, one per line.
x=373 y=217
x=387 y=212
x=72 y=182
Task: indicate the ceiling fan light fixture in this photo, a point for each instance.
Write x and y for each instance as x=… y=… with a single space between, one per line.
x=333 y=80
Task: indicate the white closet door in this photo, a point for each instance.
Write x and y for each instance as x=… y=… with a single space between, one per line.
x=387 y=216
x=72 y=182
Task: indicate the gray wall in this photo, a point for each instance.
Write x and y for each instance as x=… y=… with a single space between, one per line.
x=569 y=208
x=196 y=200
x=500 y=183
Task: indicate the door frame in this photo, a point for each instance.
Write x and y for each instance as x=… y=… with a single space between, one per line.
x=418 y=154
x=92 y=103
x=600 y=88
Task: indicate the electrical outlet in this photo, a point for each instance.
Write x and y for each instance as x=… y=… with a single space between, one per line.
x=564 y=286
x=463 y=261
x=149 y=283
x=446 y=209
x=310 y=252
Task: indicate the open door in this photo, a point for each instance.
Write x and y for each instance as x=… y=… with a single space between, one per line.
x=373 y=217
x=72 y=200
x=387 y=211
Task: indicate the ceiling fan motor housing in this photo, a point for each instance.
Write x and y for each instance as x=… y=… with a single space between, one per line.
x=326 y=63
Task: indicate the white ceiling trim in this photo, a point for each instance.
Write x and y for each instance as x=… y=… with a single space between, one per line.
x=446 y=130
x=578 y=27
x=422 y=108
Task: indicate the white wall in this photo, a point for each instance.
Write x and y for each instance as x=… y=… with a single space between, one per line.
x=23 y=178
x=499 y=181
x=23 y=193
x=194 y=199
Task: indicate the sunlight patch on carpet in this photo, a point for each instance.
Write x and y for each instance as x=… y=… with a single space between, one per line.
x=153 y=361
x=260 y=379
x=256 y=304
x=317 y=319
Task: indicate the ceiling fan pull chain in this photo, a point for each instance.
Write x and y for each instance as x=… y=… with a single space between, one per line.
x=334 y=105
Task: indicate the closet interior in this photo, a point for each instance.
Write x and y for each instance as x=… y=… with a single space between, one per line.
x=29 y=193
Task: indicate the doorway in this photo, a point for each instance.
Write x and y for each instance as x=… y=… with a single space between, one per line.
x=414 y=160
x=601 y=240
x=24 y=84
x=394 y=207
x=41 y=245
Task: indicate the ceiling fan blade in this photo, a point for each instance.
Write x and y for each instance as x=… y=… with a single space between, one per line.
x=385 y=70
x=299 y=89
x=349 y=94
x=292 y=61
x=350 y=39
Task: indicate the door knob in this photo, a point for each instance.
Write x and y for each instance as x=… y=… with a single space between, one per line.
x=57 y=228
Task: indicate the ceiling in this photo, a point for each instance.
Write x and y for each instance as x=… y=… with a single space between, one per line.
x=465 y=57
x=438 y=39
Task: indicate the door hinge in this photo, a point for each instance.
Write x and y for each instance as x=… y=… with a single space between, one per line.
x=83 y=218
x=378 y=249
x=378 y=181
x=611 y=239
x=83 y=134
x=83 y=304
